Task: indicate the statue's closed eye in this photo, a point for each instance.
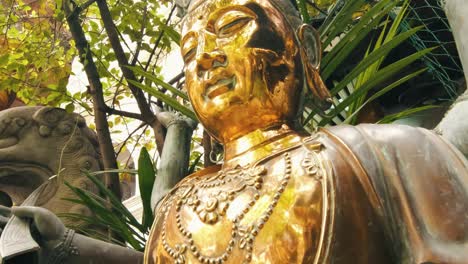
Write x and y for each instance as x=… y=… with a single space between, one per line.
x=188 y=49
x=232 y=21
x=189 y=55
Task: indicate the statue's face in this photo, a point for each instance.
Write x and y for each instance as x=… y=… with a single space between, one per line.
x=243 y=68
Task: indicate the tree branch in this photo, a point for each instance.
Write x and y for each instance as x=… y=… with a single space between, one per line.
x=316 y=7
x=100 y=118
x=158 y=40
x=142 y=125
x=113 y=111
x=176 y=78
x=146 y=113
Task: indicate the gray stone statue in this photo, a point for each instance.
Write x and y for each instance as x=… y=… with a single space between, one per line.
x=39 y=142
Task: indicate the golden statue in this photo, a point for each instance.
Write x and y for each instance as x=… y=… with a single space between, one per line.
x=367 y=194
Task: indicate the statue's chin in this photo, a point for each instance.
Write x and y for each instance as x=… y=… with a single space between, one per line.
x=227 y=131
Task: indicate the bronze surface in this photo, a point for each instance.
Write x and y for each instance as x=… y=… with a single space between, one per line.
x=369 y=194
x=243 y=69
x=272 y=211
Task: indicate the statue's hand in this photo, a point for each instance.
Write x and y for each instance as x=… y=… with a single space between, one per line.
x=61 y=245
x=4 y=217
x=49 y=227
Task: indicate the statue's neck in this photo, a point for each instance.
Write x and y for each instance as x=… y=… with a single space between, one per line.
x=257 y=145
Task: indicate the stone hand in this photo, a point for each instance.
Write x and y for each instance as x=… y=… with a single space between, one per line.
x=48 y=226
x=5 y=214
x=62 y=245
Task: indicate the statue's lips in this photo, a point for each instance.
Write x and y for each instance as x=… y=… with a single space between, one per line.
x=220 y=87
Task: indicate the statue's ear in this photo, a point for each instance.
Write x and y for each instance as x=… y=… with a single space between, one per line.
x=311 y=53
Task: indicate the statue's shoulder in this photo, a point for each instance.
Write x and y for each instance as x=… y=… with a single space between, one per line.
x=385 y=134
x=375 y=145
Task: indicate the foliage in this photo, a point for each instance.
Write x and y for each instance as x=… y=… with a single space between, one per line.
x=169 y=100
x=341 y=34
x=146 y=178
x=143 y=35
x=30 y=30
x=146 y=36
x=110 y=213
x=104 y=216
x=35 y=53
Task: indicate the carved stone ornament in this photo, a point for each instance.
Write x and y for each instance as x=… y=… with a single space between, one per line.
x=39 y=142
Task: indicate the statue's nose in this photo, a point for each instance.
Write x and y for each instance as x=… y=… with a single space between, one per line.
x=210 y=60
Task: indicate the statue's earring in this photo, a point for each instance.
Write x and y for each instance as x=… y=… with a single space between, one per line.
x=311 y=54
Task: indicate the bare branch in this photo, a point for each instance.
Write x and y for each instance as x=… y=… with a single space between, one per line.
x=114 y=111
x=176 y=78
x=156 y=44
x=316 y=7
x=99 y=105
x=142 y=125
x=122 y=59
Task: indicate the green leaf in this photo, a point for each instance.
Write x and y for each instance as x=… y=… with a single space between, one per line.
x=391 y=118
x=335 y=25
x=382 y=92
x=146 y=178
x=384 y=37
x=109 y=213
x=303 y=10
x=170 y=31
x=94 y=173
x=194 y=164
x=398 y=20
x=353 y=38
x=70 y=108
x=379 y=77
x=4 y=59
x=372 y=58
x=158 y=81
x=115 y=202
x=166 y=99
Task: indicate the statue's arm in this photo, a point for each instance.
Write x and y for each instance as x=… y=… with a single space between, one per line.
x=62 y=245
x=175 y=154
x=95 y=251
x=421 y=183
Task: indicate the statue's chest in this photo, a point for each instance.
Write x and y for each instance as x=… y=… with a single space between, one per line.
x=272 y=210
